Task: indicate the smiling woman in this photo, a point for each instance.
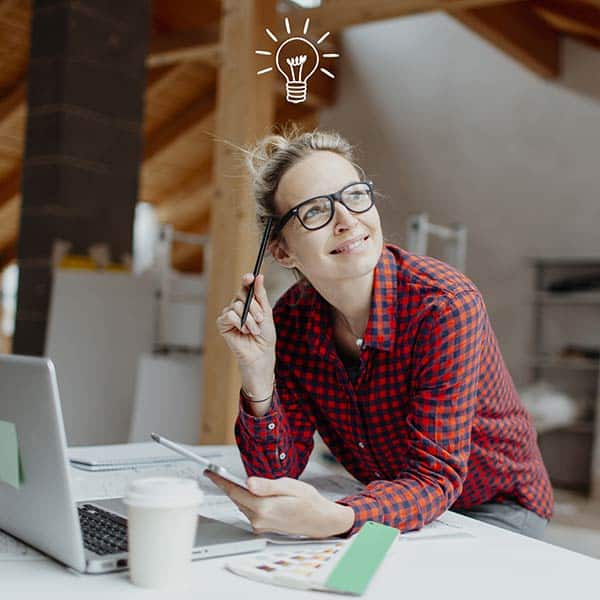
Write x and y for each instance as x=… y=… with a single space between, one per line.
x=389 y=355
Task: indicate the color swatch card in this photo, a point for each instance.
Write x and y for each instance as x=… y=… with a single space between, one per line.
x=344 y=566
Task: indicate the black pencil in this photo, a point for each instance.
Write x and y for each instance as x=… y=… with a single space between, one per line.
x=257 y=266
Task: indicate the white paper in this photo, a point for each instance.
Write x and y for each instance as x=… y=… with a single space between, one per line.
x=440 y=528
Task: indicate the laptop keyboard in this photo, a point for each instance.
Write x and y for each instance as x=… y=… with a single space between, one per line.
x=103 y=532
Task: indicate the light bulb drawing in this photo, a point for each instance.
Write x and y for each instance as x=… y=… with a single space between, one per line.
x=297 y=59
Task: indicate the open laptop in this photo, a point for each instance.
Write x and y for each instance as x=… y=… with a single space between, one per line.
x=87 y=536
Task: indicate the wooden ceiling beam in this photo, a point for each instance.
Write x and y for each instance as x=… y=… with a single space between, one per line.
x=8 y=255
x=9 y=222
x=166 y=158
x=305 y=117
x=10 y=186
x=189 y=203
x=12 y=101
x=336 y=15
x=184 y=46
x=179 y=125
x=573 y=18
x=519 y=32
x=179 y=15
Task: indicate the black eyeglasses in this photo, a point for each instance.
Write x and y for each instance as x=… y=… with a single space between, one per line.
x=317 y=212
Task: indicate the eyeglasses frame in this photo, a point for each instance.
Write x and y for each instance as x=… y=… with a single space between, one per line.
x=333 y=197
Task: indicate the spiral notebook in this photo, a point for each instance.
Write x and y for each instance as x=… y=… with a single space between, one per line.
x=117 y=457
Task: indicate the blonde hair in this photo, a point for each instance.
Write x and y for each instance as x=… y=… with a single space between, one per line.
x=272 y=156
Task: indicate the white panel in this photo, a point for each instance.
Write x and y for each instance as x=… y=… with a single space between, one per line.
x=167 y=399
x=99 y=323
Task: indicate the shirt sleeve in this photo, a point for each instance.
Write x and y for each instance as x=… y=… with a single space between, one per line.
x=446 y=358
x=279 y=443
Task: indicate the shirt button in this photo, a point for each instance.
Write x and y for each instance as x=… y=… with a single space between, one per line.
x=361 y=445
x=282 y=456
x=271 y=426
x=377 y=474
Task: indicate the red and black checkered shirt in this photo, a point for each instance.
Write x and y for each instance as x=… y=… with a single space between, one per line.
x=433 y=420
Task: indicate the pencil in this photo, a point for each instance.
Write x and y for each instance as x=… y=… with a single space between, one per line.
x=257 y=266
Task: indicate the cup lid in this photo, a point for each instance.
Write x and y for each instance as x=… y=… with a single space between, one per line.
x=163 y=492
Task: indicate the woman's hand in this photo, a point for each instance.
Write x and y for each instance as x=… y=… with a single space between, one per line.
x=287 y=506
x=253 y=344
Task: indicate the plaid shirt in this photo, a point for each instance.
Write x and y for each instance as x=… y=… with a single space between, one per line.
x=433 y=420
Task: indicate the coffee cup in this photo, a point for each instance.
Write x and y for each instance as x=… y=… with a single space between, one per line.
x=162 y=520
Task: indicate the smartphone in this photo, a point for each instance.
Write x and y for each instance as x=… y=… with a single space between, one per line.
x=205 y=462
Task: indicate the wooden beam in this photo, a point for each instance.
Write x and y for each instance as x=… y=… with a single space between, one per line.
x=190 y=202
x=166 y=160
x=13 y=100
x=574 y=18
x=336 y=15
x=10 y=209
x=304 y=117
x=10 y=186
x=9 y=222
x=189 y=258
x=245 y=112
x=519 y=32
x=184 y=46
x=181 y=123
x=178 y=15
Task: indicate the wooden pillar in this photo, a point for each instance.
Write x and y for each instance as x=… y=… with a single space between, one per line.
x=245 y=112
x=83 y=143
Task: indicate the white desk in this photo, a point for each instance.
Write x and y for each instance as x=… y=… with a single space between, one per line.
x=492 y=564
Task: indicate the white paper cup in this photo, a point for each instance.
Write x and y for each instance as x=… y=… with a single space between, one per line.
x=162 y=520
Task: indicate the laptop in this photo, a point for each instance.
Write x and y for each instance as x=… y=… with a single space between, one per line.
x=91 y=536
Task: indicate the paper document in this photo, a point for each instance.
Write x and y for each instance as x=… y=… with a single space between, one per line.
x=11 y=471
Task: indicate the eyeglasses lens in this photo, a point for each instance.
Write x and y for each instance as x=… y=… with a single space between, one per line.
x=317 y=212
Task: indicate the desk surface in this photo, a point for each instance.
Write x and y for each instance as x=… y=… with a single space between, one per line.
x=492 y=564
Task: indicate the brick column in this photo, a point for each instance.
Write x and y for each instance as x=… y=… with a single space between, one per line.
x=83 y=143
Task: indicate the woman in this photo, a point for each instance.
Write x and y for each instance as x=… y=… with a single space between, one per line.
x=390 y=356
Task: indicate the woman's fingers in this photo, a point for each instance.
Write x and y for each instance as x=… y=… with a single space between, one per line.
x=260 y=294
x=233 y=318
x=255 y=309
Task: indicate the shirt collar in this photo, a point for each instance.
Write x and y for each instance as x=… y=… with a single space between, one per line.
x=382 y=316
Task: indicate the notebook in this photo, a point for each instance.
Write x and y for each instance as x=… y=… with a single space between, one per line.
x=122 y=456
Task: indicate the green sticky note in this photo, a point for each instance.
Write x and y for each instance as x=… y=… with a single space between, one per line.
x=11 y=470
x=366 y=552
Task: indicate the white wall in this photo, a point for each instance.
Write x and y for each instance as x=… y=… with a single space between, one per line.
x=447 y=124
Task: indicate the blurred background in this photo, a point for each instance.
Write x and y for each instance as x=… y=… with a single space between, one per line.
x=126 y=216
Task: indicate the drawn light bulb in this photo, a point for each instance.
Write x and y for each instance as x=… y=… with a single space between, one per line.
x=298 y=68
x=298 y=63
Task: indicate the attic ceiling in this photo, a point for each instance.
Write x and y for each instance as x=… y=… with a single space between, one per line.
x=180 y=97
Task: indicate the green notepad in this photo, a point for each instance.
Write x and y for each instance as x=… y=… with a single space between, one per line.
x=366 y=552
x=10 y=463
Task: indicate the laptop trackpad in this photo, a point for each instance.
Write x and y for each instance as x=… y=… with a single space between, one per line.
x=208 y=532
